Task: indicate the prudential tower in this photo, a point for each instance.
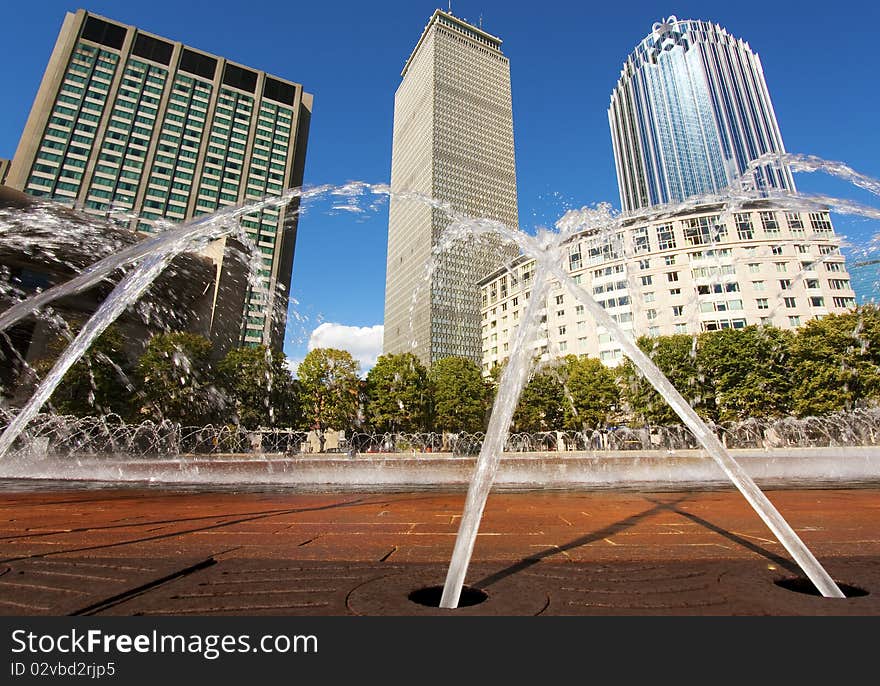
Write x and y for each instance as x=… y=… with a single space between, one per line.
x=453 y=141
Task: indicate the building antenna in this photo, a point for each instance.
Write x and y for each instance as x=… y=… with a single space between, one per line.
x=450 y=6
x=481 y=21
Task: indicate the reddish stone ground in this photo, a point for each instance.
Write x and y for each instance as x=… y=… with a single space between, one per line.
x=130 y=551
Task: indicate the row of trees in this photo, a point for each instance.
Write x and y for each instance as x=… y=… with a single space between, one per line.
x=176 y=377
x=826 y=366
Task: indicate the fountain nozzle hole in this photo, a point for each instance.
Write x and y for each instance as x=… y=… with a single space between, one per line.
x=430 y=596
x=803 y=585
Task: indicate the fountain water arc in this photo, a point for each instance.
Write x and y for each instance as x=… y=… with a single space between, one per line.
x=487 y=462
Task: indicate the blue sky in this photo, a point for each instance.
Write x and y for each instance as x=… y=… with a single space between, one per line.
x=819 y=59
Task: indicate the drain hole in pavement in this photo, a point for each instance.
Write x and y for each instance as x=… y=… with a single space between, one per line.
x=431 y=595
x=803 y=585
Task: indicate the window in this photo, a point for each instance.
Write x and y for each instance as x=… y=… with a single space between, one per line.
x=703 y=230
x=794 y=321
x=672 y=276
x=817 y=301
x=744 y=229
x=758 y=285
x=762 y=304
x=820 y=222
x=669 y=259
x=754 y=267
x=781 y=266
x=769 y=223
x=646 y=280
x=665 y=237
x=677 y=310
x=560 y=299
x=649 y=297
x=790 y=303
x=812 y=283
x=644 y=264
x=837 y=284
x=785 y=284
x=794 y=222
x=776 y=249
x=674 y=291
x=561 y=330
x=651 y=314
x=640 y=240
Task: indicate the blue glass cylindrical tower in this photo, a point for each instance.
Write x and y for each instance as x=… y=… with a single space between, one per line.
x=689 y=114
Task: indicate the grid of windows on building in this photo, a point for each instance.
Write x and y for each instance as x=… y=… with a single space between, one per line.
x=150 y=133
x=703 y=270
x=453 y=141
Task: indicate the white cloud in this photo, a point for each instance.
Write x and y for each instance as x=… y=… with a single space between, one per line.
x=363 y=342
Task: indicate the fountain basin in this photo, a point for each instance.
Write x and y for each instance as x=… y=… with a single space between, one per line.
x=802 y=467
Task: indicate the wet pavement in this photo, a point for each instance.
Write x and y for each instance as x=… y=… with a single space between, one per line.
x=148 y=551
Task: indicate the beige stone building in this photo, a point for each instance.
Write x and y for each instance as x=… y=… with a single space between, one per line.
x=453 y=142
x=701 y=270
x=146 y=130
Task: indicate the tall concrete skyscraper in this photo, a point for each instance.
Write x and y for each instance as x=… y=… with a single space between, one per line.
x=128 y=121
x=689 y=114
x=453 y=141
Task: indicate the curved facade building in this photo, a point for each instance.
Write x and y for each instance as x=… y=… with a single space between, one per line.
x=706 y=268
x=689 y=114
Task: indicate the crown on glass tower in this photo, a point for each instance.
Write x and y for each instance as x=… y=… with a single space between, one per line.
x=666 y=26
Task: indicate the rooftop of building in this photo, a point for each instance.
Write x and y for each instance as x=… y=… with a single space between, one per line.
x=449 y=19
x=661 y=213
x=150 y=46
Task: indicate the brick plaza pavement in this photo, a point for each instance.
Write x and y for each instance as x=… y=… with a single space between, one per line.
x=149 y=551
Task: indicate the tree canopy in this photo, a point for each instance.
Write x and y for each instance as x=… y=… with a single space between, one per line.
x=676 y=357
x=836 y=362
x=329 y=388
x=260 y=388
x=591 y=393
x=176 y=378
x=541 y=405
x=397 y=394
x=99 y=383
x=460 y=396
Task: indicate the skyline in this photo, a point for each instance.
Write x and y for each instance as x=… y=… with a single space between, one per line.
x=564 y=61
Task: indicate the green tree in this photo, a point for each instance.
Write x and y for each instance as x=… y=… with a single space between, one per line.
x=259 y=384
x=397 y=396
x=542 y=403
x=459 y=395
x=99 y=383
x=177 y=380
x=329 y=388
x=591 y=393
x=750 y=371
x=836 y=362
x=675 y=356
